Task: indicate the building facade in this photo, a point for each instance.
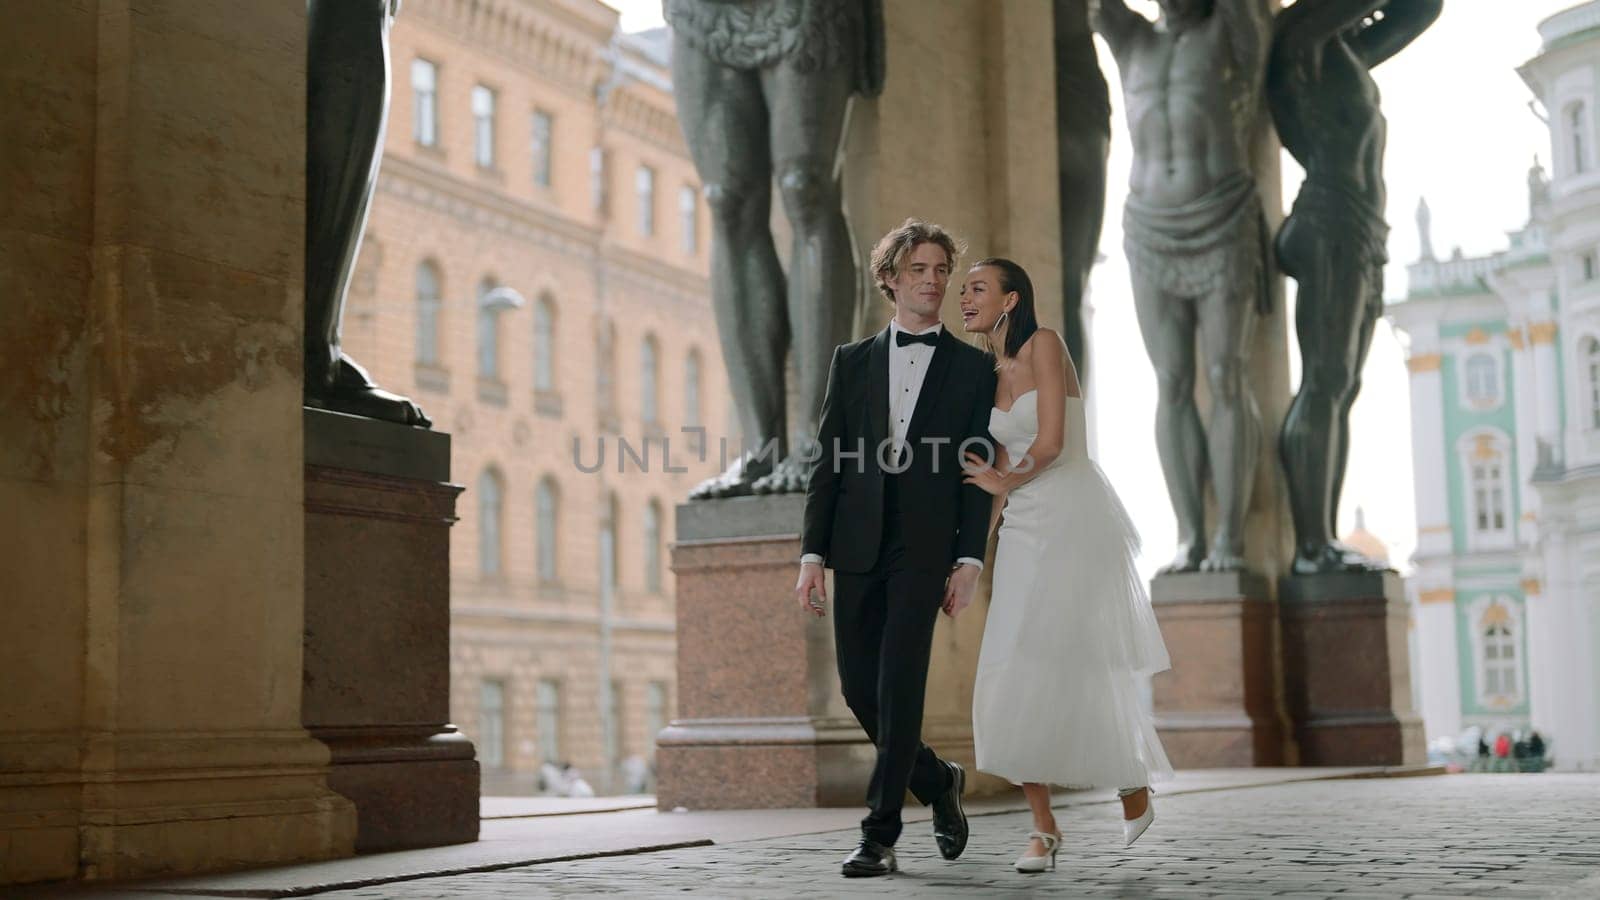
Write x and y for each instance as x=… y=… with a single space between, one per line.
x=535 y=276
x=1504 y=358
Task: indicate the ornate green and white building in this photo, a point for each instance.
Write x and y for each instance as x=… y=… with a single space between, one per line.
x=1505 y=416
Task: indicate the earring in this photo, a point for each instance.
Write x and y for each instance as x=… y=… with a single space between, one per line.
x=1005 y=316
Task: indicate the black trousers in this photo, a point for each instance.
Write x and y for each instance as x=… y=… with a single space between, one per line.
x=883 y=633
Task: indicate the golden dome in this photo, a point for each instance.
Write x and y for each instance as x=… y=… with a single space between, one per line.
x=1365 y=542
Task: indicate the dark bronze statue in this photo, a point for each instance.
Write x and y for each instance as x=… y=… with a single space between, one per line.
x=1083 y=143
x=1325 y=105
x=347 y=106
x=763 y=88
x=1195 y=236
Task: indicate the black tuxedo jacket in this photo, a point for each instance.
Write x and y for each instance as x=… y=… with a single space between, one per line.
x=942 y=519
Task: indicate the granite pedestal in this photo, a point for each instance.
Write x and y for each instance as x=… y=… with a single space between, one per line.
x=379 y=507
x=1347 y=677
x=1219 y=704
x=760 y=720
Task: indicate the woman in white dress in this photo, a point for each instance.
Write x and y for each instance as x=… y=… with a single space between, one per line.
x=1070 y=635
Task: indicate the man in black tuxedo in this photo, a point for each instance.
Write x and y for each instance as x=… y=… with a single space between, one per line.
x=886 y=509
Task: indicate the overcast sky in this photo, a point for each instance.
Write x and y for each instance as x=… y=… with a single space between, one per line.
x=1460 y=133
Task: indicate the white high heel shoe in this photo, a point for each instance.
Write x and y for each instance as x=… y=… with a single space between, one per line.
x=1033 y=864
x=1133 y=828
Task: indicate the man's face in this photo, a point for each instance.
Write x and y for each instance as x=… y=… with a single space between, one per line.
x=920 y=284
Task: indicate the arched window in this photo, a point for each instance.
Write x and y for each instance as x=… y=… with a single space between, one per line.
x=547 y=504
x=491 y=493
x=689 y=219
x=1590 y=355
x=1486 y=461
x=649 y=371
x=428 y=307
x=691 y=389
x=544 y=344
x=488 y=333
x=1577 y=126
x=1483 y=380
x=652 y=547
x=1499 y=657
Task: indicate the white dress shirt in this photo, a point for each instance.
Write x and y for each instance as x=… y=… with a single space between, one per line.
x=908 y=368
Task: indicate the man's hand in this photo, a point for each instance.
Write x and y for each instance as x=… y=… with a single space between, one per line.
x=812 y=580
x=959 y=589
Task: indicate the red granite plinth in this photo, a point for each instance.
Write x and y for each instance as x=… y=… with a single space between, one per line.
x=1347 y=676
x=760 y=723
x=376 y=687
x=1218 y=706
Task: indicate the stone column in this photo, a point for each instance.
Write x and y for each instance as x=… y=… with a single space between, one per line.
x=1542 y=335
x=150 y=444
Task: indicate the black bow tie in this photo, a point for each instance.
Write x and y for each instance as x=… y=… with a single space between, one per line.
x=931 y=338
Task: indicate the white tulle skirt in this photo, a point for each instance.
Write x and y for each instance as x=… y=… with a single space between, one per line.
x=1069 y=641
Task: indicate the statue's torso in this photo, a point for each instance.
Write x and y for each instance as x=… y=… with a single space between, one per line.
x=1325 y=106
x=1190 y=110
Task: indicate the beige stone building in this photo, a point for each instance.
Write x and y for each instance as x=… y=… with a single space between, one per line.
x=533 y=147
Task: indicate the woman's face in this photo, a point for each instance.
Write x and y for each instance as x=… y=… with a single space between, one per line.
x=982 y=300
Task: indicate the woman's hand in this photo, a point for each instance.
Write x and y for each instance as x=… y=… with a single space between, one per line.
x=985 y=476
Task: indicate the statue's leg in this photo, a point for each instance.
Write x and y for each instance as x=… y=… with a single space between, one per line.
x=1371 y=311
x=1083 y=143
x=1168 y=326
x=1329 y=324
x=725 y=121
x=808 y=121
x=1227 y=323
x=347 y=102
x=1083 y=201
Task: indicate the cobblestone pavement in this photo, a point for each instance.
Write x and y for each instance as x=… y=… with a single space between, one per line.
x=1444 y=836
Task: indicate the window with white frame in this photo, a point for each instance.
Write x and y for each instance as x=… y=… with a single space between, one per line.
x=492 y=724
x=655 y=713
x=483 y=126
x=491 y=493
x=547 y=720
x=691 y=389
x=1590 y=363
x=614 y=718
x=425 y=102
x=429 y=304
x=488 y=332
x=649 y=381
x=1483 y=380
x=652 y=547
x=547 y=529
x=1577 y=128
x=608 y=545
x=598 y=195
x=689 y=219
x=543 y=126
x=1499 y=652
x=644 y=184
x=544 y=344
x=1486 y=462
x=1589 y=266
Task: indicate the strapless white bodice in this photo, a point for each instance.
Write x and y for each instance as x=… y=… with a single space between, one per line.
x=1018 y=427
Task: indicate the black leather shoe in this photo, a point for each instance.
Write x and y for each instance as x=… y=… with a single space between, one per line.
x=949 y=821
x=870 y=860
